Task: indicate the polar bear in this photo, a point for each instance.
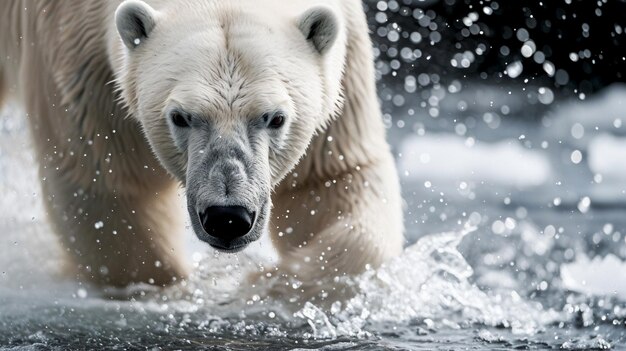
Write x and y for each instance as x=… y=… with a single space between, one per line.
x=265 y=111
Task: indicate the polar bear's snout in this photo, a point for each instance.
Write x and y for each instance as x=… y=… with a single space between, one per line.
x=227 y=190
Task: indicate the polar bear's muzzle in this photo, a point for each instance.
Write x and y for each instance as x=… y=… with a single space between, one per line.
x=227 y=193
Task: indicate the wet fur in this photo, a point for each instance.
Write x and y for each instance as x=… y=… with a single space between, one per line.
x=97 y=165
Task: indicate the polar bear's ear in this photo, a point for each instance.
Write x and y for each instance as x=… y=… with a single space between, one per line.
x=320 y=27
x=135 y=21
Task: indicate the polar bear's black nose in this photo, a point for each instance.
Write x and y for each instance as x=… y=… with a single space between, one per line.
x=227 y=223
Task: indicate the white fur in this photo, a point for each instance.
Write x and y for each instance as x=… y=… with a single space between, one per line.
x=334 y=186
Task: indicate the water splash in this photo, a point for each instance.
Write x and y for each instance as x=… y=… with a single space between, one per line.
x=428 y=286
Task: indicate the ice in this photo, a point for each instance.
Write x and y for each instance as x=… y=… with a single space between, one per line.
x=451 y=158
x=603 y=276
x=607 y=156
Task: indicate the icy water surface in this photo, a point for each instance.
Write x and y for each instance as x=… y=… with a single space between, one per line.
x=530 y=254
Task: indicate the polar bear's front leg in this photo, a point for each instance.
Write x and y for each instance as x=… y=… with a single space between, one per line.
x=113 y=238
x=338 y=227
x=111 y=204
x=114 y=232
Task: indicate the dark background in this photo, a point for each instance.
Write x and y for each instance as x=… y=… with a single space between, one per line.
x=584 y=41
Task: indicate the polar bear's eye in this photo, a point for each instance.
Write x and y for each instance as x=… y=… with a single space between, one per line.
x=179 y=120
x=276 y=121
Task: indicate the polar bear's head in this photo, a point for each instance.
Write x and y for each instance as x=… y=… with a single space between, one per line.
x=230 y=95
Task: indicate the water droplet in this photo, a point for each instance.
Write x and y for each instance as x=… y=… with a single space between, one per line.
x=81 y=293
x=584 y=204
x=578 y=131
x=514 y=69
x=546 y=96
x=576 y=157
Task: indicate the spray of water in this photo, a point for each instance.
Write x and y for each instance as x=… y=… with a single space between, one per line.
x=428 y=286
